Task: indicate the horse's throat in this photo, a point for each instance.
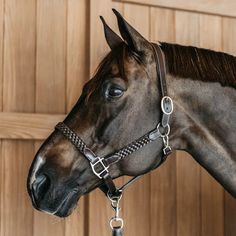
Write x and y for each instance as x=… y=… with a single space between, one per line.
x=204 y=125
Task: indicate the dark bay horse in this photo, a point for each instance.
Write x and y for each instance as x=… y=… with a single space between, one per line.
x=122 y=102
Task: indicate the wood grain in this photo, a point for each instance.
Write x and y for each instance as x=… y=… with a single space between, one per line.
x=18 y=96
x=228 y=38
x=77 y=49
x=16 y=209
x=223 y=7
x=1 y=49
x=51 y=56
x=162 y=25
x=19 y=56
x=50 y=80
x=17 y=125
x=212 y=193
x=1 y=99
x=163 y=180
x=75 y=224
x=61 y=43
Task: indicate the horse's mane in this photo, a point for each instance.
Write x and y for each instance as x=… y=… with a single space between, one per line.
x=200 y=64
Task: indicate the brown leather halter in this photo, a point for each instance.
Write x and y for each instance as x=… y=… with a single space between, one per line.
x=100 y=165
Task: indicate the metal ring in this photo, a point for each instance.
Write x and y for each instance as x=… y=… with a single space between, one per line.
x=114 y=219
x=162 y=105
x=115 y=198
x=166 y=133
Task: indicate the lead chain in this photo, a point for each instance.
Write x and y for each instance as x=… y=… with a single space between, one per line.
x=116 y=221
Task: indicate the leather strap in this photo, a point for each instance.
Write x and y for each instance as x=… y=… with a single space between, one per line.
x=161 y=68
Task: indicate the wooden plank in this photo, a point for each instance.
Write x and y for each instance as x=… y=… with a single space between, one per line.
x=228 y=38
x=51 y=56
x=77 y=74
x=188 y=171
x=17 y=125
x=1 y=49
x=223 y=7
x=137 y=224
x=75 y=224
x=163 y=180
x=19 y=56
x=1 y=100
x=230 y=215
x=212 y=193
x=18 y=95
x=132 y=15
x=99 y=208
x=50 y=79
x=210 y=32
x=77 y=49
x=162 y=25
x=16 y=209
x=188 y=196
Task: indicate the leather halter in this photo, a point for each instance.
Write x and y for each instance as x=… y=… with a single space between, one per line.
x=100 y=165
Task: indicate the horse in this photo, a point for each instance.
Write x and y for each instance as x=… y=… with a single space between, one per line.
x=127 y=99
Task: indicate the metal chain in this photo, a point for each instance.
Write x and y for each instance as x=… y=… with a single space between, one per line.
x=115 y=204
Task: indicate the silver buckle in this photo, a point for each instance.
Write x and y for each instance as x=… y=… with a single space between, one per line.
x=101 y=163
x=167 y=150
x=168 y=99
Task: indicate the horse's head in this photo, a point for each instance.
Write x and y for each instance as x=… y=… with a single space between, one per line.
x=118 y=105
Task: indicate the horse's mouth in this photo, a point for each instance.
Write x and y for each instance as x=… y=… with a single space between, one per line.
x=64 y=208
x=67 y=205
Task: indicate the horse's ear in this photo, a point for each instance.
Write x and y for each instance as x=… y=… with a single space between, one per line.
x=113 y=40
x=133 y=38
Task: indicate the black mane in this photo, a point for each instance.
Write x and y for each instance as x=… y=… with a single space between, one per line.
x=200 y=64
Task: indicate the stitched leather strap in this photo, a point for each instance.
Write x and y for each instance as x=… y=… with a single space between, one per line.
x=161 y=68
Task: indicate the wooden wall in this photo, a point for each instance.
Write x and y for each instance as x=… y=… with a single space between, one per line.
x=48 y=49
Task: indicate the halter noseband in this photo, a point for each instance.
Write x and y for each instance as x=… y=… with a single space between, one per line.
x=100 y=165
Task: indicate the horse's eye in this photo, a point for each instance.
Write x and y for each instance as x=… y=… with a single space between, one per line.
x=113 y=92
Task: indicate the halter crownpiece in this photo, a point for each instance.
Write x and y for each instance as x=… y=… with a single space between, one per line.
x=100 y=165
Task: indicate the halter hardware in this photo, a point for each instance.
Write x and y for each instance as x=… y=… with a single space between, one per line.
x=100 y=165
x=115 y=204
x=100 y=162
x=167 y=105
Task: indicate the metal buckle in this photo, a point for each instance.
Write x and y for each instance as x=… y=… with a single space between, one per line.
x=116 y=221
x=101 y=163
x=167 y=150
x=166 y=99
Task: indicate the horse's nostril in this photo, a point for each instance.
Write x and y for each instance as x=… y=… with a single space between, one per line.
x=40 y=186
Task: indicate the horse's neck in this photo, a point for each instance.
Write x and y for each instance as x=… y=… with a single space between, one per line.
x=204 y=124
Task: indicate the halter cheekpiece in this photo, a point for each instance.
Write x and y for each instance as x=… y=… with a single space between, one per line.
x=100 y=165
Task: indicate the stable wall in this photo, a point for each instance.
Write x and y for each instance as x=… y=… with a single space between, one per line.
x=48 y=49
